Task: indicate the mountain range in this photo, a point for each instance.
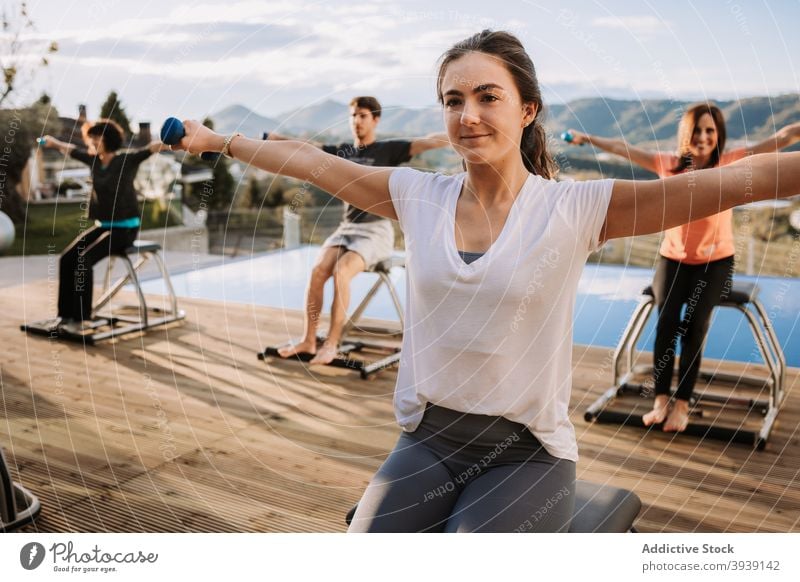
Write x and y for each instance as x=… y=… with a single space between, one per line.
x=639 y=122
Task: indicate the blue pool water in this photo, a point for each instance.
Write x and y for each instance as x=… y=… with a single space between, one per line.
x=606 y=298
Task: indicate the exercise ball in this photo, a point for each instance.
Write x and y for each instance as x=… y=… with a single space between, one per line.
x=6 y=231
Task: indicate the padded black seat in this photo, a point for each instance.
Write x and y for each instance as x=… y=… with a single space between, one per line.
x=352 y=344
x=387 y=265
x=743 y=297
x=107 y=323
x=603 y=509
x=742 y=293
x=143 y=246
x=598 y=509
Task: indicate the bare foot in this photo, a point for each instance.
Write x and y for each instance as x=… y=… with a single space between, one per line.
x=74 y=326
x=659 y=412
x=678 y=419
x=326 y=354
x=303 y=347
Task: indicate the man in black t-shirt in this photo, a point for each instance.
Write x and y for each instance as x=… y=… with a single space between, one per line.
x=362 y=239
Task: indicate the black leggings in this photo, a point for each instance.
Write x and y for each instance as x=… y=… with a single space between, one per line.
x=75 y=272
x=468 y=473
x=700 y=288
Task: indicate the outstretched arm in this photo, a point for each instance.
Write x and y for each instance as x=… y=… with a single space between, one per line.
x=279 y=137
x=641 y=157
x=429 y=142
x=156 y=147
x=782 y=138
x=63 y=147
x=647 y=206
x=364 y=187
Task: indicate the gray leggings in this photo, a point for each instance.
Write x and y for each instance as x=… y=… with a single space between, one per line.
x=468 y=473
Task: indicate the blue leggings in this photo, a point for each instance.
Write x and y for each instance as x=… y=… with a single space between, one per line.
x=468 y=473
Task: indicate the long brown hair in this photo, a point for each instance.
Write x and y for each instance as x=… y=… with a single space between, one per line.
x=686 y=130
x=509 y=49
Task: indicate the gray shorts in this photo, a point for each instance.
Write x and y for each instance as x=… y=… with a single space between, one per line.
x=374 y=241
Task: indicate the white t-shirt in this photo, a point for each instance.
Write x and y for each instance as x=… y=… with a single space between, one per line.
x=494 y=337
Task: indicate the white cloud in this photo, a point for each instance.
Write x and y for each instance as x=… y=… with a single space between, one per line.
x=249 y=11
x=636 y=25
x=244 y=50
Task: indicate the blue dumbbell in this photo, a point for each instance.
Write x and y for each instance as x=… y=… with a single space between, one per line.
x=172 y=133
x=568 y=137
x=41 y=141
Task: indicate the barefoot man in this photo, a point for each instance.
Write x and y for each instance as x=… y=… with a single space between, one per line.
x=362 y=239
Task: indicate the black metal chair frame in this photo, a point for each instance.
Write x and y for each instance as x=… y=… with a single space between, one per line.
x=18 y=506
x=354 y=344
x=105 y=323
x=744 y=298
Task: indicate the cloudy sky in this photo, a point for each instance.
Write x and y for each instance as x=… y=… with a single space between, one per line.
x=194 y=57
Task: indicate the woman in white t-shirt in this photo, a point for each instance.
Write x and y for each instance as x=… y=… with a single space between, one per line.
x=494 y=256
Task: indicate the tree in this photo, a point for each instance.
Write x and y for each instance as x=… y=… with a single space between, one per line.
x=16 y=49
x=255 y=192
x=219 y=194
x=224 y=187
x=112 y=109
x=269 y=195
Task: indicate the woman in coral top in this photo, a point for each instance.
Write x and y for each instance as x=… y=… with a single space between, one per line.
x=696 y=263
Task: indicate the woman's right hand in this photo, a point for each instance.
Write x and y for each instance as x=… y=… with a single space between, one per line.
x=199 y=138
x=578 y=138
x=47 y=141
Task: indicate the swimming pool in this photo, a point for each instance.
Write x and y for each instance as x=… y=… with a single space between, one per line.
x=606 y=298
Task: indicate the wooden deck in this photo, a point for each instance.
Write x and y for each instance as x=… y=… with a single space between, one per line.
x=185 y=430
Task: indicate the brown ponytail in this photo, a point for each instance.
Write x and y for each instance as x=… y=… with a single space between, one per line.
x=535 y=155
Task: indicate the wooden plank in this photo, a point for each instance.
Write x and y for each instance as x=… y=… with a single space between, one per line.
x=184 y=429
